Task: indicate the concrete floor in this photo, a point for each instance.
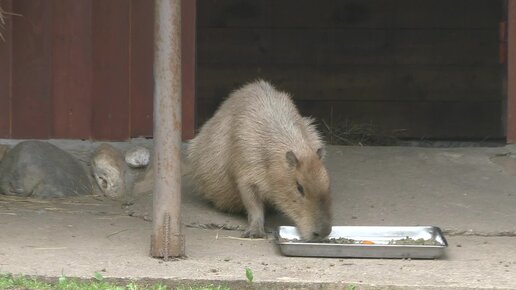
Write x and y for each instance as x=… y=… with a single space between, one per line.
x=469 y=192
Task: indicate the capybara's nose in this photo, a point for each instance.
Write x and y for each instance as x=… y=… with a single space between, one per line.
x=324 y=232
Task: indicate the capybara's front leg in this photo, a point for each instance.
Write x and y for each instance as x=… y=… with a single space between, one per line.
x=255 y=216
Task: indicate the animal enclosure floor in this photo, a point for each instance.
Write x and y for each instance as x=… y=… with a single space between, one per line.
x=469 y=192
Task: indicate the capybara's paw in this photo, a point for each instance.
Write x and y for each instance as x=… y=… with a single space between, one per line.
x=254 y=234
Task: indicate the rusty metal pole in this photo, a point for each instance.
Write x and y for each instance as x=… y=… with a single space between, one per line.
x=167 y=239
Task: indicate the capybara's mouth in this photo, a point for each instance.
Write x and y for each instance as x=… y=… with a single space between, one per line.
x=316 y=238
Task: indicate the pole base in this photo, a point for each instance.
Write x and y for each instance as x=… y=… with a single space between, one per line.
x=167 y=247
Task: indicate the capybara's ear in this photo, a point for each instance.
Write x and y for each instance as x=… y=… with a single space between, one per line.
x=291 y=159
x=321 y=152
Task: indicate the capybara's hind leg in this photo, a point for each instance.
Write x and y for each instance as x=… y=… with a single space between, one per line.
x=255 y=211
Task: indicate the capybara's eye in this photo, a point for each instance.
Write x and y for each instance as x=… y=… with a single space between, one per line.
x=300 y=188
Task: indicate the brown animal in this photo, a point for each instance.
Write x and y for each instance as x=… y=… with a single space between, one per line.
x=258 y=150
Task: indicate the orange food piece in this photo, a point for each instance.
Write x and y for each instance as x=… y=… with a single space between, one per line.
x=366 y=242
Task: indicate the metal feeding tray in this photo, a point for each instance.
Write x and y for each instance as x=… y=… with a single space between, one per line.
x=415 y=242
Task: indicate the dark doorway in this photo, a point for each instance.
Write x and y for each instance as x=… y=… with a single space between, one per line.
x=403 y=69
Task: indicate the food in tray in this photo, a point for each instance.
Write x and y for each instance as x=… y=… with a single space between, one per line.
x=332 y=241
x=338 y=241
x=410 y=241
x=407 y=241
x=346 y=241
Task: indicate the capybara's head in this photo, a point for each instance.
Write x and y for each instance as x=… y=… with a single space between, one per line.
x=306 y=197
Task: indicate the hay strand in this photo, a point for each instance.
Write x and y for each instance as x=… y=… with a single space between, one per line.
x=2 y=23
x=3 y=19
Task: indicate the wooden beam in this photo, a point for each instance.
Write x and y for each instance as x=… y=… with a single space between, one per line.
x=511 y=72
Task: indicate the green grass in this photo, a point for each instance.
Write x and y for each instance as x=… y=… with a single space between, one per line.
x=204 y=288
x=249 y=274
x=12 y=282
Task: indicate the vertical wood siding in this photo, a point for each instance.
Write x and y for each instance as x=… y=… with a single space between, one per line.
x=79 y=69
x=189 y=66
x=31 y=113
x=142 y=58
x=72 y=64
x=6 y=75
x=511 y=72
x=111 y=69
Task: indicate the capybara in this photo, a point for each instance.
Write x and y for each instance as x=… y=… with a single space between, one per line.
x=257 y=150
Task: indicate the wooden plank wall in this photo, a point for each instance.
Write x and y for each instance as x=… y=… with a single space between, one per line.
x=32 y=70
x=188 y=50
x=142 y=81
x=71 y=72
x=511 y=71
x=429 y=68
x=71 y=69
x=82 y=69
x=111 y=69
x=6 y=75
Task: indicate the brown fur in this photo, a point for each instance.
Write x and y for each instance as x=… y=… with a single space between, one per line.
x=240 y=160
